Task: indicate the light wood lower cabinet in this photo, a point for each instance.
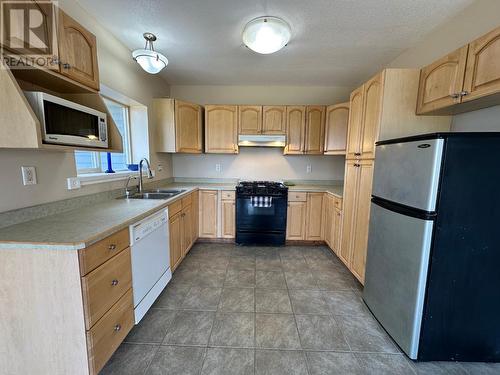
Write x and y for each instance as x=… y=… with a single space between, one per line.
x=314 y=217
x=208 y=213
x=332 y=222
x=357 y=200
x=182 y=231
x=228 y=210
x=217 y=214
x=296 y=221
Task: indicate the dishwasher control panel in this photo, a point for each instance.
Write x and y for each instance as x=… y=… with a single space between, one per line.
x=146 y=226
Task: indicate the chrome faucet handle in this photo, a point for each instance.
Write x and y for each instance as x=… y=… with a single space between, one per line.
x=127 y=191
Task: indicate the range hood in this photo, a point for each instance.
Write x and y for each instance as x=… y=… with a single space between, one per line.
x=257 y=140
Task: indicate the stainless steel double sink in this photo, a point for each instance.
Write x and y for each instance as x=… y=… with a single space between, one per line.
x=156 y=194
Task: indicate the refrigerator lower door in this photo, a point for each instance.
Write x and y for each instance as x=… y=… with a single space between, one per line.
x=396 y=273
x=408 y=173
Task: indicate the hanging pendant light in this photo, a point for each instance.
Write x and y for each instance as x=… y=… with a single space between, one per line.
x=266 y=34
x=150 y=60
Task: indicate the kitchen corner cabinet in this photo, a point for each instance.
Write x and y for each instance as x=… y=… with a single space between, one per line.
x=357 y=200
x=77 y=52
x=208 y=214
x=337 y=117
x=250 y=119
x=464 y=80
x=364 y=119
x=296 y=128
x=274 y=120
x=179 y=127
x=221 y=129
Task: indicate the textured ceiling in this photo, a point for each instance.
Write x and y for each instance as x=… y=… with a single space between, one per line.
x=334 y=42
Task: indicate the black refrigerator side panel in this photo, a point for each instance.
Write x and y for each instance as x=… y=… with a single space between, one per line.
x=461 y=319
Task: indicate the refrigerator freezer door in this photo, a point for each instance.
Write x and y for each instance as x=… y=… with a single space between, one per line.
x=396 y=273
x=408 y=173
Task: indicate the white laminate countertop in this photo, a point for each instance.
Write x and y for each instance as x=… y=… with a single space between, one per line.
x=79 y=228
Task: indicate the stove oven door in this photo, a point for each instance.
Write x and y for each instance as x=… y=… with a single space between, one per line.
x=261 y=219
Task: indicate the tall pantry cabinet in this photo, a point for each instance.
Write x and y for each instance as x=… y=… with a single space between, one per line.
x=382 y=108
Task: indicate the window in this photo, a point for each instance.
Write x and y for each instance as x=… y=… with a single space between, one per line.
x=96 y=162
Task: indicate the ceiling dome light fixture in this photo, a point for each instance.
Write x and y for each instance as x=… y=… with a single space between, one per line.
x=150 y=60
x=266 y=34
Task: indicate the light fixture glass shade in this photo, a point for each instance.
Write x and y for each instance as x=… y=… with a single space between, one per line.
x=266 y=34
x=151 y=61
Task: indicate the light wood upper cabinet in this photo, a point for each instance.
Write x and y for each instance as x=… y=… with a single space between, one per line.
x=355 y=128
x=77 y=52
x=296 y=128
x=221 y=129
x=274 y=120
x=296 y=221
x=315 y=129
x=208 y=213
x=442 y=81
x=372 y=108
x=482 y=75
x=314 y=218
x=250 y=119
x=337 y=117
x=188 y=128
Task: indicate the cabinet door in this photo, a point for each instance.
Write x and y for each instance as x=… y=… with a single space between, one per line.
x=328 y=220
x=372 y=109
x=441 y=82
x=221 y=129
x=296 y=221
x=176 y=240
x=78 y=52
x=337 y=230
x=349 y=213
x=337 y=117
x=274 y=120
x=354 y=128
x=208 y=213
x=250 y=119
x=315 y=129
x=482 y=76
x=314 y=217
x=196 y=215
x=362 y=219
x=228 y=219
x=295 y=129
x=42 y=39
x=187 y=225
x=188 y=132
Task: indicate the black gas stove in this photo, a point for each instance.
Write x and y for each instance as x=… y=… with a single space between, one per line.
x=261 y=188
x=261 y=209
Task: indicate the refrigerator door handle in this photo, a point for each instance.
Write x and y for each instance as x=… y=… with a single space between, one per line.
x=403 y=209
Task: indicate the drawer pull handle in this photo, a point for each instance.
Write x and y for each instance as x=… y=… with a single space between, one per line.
x=112 y=246
x=114 y=282
x=117 y=327
x=357 y=153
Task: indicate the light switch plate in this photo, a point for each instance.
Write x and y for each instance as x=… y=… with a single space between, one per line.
x=218 y=167
x=29 y=175
x=309 y=169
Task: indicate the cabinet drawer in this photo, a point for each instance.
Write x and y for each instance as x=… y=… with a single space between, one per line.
x=228 y=195
x=105 y=285
x=105 y=337
x=186 y=201
x=294 y=196
x=174 y=208
x=95 y=255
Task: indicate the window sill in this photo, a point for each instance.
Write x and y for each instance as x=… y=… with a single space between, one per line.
x=98 y=178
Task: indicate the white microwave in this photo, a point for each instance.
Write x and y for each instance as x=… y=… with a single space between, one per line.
x=67 y=123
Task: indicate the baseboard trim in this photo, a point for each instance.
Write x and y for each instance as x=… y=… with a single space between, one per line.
x=304 y=242
x=215 y=240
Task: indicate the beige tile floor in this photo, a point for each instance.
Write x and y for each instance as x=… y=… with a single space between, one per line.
x=259 y=310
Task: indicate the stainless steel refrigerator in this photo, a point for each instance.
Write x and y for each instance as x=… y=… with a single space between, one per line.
x=433 y=264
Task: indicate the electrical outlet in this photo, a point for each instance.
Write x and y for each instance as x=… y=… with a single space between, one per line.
x=159 y=167
x=73 y=183
x=309 y=169
x=29 y=175
x=218 y=167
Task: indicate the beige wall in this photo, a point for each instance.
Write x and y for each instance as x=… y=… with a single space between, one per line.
x=476 y=20
x=117 y=71
x=260 y=163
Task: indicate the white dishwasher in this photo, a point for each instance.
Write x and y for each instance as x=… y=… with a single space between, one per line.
x=150 y=248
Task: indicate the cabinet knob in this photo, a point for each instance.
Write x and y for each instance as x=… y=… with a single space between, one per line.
x=66 y=66
x=117 y=327
x=455 y=95
x=357 y=154
x=112 y=246
x=464 y=93
x=114 y=282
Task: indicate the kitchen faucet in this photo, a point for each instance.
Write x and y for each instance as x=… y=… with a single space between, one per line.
x=150 y=174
